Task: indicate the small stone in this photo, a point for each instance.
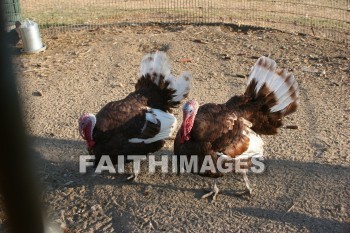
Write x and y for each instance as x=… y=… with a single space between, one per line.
x=319 y=153
x=147 y=191
x=37 y=93
x=184 y=60
x=313 y=57
x=200 y=41
x=225 y=57
x=213 y=74
x=239 y=75
x=114 y=85
x=292 y=127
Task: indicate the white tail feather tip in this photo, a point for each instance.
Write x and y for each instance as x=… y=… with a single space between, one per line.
x=281 y=83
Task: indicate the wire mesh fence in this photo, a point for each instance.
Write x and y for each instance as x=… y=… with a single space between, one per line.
x=321 y=18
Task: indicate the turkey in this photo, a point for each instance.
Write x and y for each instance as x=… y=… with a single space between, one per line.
x=229 y=132
x=141 y=122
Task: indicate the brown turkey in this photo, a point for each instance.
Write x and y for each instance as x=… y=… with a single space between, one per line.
x=140 y=123
x=229 y=133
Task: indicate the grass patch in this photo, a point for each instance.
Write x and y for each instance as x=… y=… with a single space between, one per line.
x=275 y=14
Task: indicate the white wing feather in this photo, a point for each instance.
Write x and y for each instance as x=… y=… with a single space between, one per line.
x=168 y=124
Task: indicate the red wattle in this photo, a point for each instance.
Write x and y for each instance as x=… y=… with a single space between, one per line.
x=91 y=144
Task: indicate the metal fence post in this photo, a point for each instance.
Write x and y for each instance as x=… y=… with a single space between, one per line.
x=17 y=184
x=12 y=12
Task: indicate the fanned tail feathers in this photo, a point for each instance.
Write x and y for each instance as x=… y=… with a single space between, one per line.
x=181 y=85
x=276 y=91
x=156 y=65
x=155 y=68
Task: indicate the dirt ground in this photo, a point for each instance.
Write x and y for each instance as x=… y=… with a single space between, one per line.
x=305 y=187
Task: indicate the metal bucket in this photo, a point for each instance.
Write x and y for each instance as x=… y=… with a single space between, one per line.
x=31 y=37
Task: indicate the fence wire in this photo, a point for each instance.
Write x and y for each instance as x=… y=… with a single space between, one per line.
x=321 y=18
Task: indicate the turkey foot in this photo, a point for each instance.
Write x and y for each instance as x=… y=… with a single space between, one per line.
x=247 y=184
x=213 y=193
x=133 y=177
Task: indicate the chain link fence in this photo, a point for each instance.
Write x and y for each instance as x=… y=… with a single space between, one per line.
x=321 y=18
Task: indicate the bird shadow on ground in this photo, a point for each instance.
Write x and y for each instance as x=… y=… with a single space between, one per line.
x=62 y=169
x=284 y=183
x=70 y=164
x=66 y=172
